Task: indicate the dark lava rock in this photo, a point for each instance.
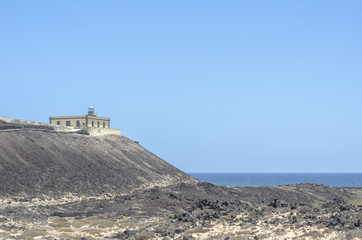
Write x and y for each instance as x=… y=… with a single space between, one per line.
x=277 y=203
x=128 y=234
x=334 y=221
x=188 y=238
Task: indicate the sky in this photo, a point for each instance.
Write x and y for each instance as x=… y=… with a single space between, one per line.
x=209 y=86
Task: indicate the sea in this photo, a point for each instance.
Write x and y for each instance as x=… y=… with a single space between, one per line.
x=271 y=179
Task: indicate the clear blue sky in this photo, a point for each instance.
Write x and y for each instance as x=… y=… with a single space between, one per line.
x=210 y=86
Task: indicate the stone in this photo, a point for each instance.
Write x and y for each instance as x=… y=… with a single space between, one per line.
x=188 y=237
x=277 y=203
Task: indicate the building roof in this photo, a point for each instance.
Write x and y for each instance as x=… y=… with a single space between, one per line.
x=83 y=116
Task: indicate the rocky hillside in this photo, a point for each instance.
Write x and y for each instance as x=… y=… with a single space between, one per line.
x=37 y=161
x=158 y=201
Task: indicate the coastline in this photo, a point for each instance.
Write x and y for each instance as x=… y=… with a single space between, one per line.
x=277 y=179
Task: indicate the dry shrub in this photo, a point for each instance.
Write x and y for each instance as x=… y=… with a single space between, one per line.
x=268 y=209
x=279 y=231
x=252 y=214
x=32 y=233
x=146 y=235
x=234 y=214
x=65 y=230
x=105 y=223
x=245 y=226
x=198 y=229
x=60 y=225
x=283 y=210
x=245 y=237
x=313 y=234
x=58 y=222
x=351 y=235
x=94 y=232
x=304 y=209
x=85 y=221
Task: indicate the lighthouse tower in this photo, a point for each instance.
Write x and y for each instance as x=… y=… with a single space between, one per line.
x=91 y=111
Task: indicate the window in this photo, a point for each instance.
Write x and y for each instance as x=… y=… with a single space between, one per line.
x=98 y=123
x=104 y=124
x=92 y=123
x=78 y=123
x=68 y=123
x=58 y=122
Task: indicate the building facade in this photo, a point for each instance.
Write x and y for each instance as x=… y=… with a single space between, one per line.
x=90 y=122
x=81 y=121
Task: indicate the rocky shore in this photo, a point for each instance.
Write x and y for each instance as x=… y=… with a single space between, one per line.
x=189 y=211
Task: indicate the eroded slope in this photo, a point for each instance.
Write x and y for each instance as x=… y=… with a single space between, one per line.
x=38 y=162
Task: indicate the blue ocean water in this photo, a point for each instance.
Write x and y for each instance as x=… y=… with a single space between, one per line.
x=270 y=179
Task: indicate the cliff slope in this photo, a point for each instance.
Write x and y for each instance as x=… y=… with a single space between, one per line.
x=37 y=162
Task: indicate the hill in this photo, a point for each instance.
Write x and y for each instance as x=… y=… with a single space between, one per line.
x=37 y=161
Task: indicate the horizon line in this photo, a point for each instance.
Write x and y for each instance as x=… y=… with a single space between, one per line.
x=285 y=172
